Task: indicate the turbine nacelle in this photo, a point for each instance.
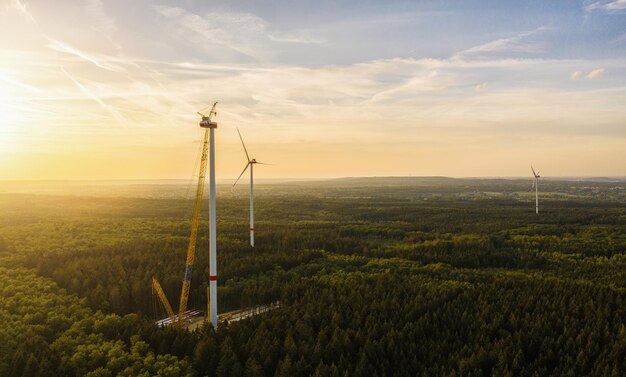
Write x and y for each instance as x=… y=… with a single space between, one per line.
x=536 y=174
x=250 y=160
x=206 y=121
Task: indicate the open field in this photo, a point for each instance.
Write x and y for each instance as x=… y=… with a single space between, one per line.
x=434 y=276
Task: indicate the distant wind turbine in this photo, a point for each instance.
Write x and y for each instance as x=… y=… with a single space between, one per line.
x=536 y=187
x=250 y=164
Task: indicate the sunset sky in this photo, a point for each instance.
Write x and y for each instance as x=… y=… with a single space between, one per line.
x=96 y=89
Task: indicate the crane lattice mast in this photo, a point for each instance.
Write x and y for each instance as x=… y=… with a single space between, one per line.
x=195 y=220
x=156 y=288
x=191 y=249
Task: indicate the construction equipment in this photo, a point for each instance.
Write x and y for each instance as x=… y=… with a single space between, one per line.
x=207 y=124
x=156 y=289
x=206 y=121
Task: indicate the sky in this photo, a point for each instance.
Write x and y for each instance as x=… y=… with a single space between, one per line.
x=97 y=89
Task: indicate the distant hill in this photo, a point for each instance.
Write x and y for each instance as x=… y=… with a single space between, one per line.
x=447 y=181
x=389 y=181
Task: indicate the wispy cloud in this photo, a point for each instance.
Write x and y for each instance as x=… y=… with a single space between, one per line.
x=592 y=75
x=595 y=73
x=239 y=32
x=19 y=84
x=576 y=75
x=617 y=4
x=521 y=43
x=104 y=22
x=65 y=48
x=17 y=4
x=480 y=87
x=110 y=109
x=266 y=82
x=244 y=33
x=606 y=5
x=289 y=38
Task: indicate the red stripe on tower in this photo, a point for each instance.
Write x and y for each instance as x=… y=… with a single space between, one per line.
x=213 y=277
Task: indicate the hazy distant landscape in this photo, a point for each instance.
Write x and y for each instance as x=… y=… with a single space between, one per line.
x=426 y=276
x=182 y=188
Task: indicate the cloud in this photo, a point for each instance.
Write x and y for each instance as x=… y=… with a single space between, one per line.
x=612 y=5
x=170 y=12
x=104 y=22
x=16 y=4
x=415 y=100
x=110 y=109
x=492 y=91
x=19 y=84
x=480 y=87
x=521 y=43
x=595 y=73
x=243 y=33
x=247 y=35
x=590 y=76
x=615 y=5
x=65 y=48
x=288 y=38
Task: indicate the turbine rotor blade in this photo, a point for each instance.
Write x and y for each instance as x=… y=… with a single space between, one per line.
x=244 y=145
x=244 y=170
x=263 y=163
x=531 y=167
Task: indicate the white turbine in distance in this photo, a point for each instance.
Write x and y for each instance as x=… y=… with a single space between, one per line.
x=536 y=187
x=250 y=164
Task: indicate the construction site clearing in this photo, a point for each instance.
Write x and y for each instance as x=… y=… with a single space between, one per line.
x=194 y=319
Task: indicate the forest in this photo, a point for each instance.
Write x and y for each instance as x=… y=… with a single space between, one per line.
x=376 y=277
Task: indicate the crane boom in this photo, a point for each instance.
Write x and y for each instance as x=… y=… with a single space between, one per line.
x=156 y=288
x=191 y=250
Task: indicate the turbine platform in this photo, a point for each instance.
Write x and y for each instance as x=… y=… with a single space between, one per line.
x=194 y=319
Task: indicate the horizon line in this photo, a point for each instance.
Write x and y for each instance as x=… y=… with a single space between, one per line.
x=553 y=177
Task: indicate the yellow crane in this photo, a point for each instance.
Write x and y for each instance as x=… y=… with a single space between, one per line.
x=156 y=289
x=191 y=249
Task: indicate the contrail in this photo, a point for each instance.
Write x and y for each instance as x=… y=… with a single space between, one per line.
x=62 y=47
x=116 y=114
x=22 y=8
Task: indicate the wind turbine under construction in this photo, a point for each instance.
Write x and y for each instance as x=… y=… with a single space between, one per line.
x=208 y=156
x=536 y=187
x=250 y=164
x=210 y=126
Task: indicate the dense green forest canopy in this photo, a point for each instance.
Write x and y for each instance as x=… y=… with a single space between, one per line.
x=403 y=276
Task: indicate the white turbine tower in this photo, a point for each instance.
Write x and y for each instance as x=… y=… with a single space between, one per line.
x=251 y=162
x=536 y=187
x=206 y=122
